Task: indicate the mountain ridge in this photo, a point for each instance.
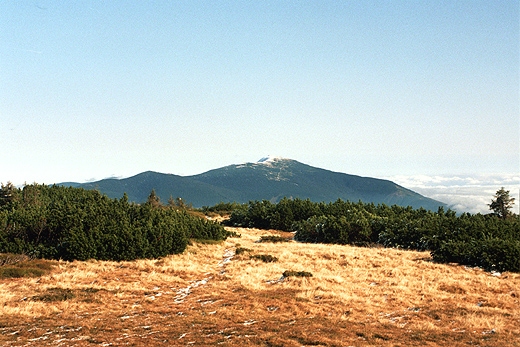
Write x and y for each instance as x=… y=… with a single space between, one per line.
x=270 y=178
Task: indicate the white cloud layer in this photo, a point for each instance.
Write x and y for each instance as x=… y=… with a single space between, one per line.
x=463 y=193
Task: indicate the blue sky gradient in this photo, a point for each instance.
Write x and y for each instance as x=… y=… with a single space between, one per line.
x=92 y=89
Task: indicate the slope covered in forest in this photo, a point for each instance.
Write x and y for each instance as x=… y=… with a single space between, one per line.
x=268 y=179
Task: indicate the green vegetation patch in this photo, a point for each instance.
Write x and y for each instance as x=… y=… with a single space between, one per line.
x=207 y=241
x=234 y=234
x=55 y=294
x=15 y=272
x=273 y=238
x=18 y=266
x=266 y=258
x=222 y=208
x=241 y=250
x=290 y=273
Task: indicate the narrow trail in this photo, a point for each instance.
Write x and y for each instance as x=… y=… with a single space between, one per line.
x=183 y=293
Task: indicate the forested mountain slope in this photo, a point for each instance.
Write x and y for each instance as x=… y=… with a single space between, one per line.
x=268 y=179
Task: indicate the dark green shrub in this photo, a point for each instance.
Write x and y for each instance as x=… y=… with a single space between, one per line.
x=331 y=229
x=241 y=250
x=239 y=217
x=16 y=272
x=273 y=239
x=222 y=208
x=493 y=254
x=256 y=214
x=20 y=265
x=290 y=273
x=266 y=258
x=207 y=242
x=55 y=294
x=233 y=234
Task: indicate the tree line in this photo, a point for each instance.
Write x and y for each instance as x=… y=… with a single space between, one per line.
x=68 y=223
x=489 y=241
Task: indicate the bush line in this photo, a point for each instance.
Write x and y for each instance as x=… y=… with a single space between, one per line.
x=485 y=241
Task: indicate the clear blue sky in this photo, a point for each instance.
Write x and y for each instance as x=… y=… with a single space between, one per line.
x=91 y=89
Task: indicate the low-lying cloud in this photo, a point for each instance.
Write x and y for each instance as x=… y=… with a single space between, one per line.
x=463 y=193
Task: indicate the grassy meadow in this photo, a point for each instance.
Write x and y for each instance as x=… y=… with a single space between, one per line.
x=211 y=296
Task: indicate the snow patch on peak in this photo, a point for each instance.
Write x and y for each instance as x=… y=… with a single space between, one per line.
x=269 y=159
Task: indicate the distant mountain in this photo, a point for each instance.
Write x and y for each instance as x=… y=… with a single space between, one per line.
x=268 y=179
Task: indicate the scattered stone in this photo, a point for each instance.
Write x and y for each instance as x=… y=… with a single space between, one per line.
x=492 y=331
x=281 y=279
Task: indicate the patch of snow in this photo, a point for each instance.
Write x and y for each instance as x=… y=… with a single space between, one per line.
x=269 y=159
x=281 y=279
x=228 y=255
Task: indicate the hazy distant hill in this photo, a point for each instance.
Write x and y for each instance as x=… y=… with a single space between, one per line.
x=268 y=179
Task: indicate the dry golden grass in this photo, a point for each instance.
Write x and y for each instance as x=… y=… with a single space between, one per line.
x=207 y=296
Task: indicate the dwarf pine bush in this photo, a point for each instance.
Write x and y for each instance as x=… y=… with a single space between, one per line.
x=72 y=223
